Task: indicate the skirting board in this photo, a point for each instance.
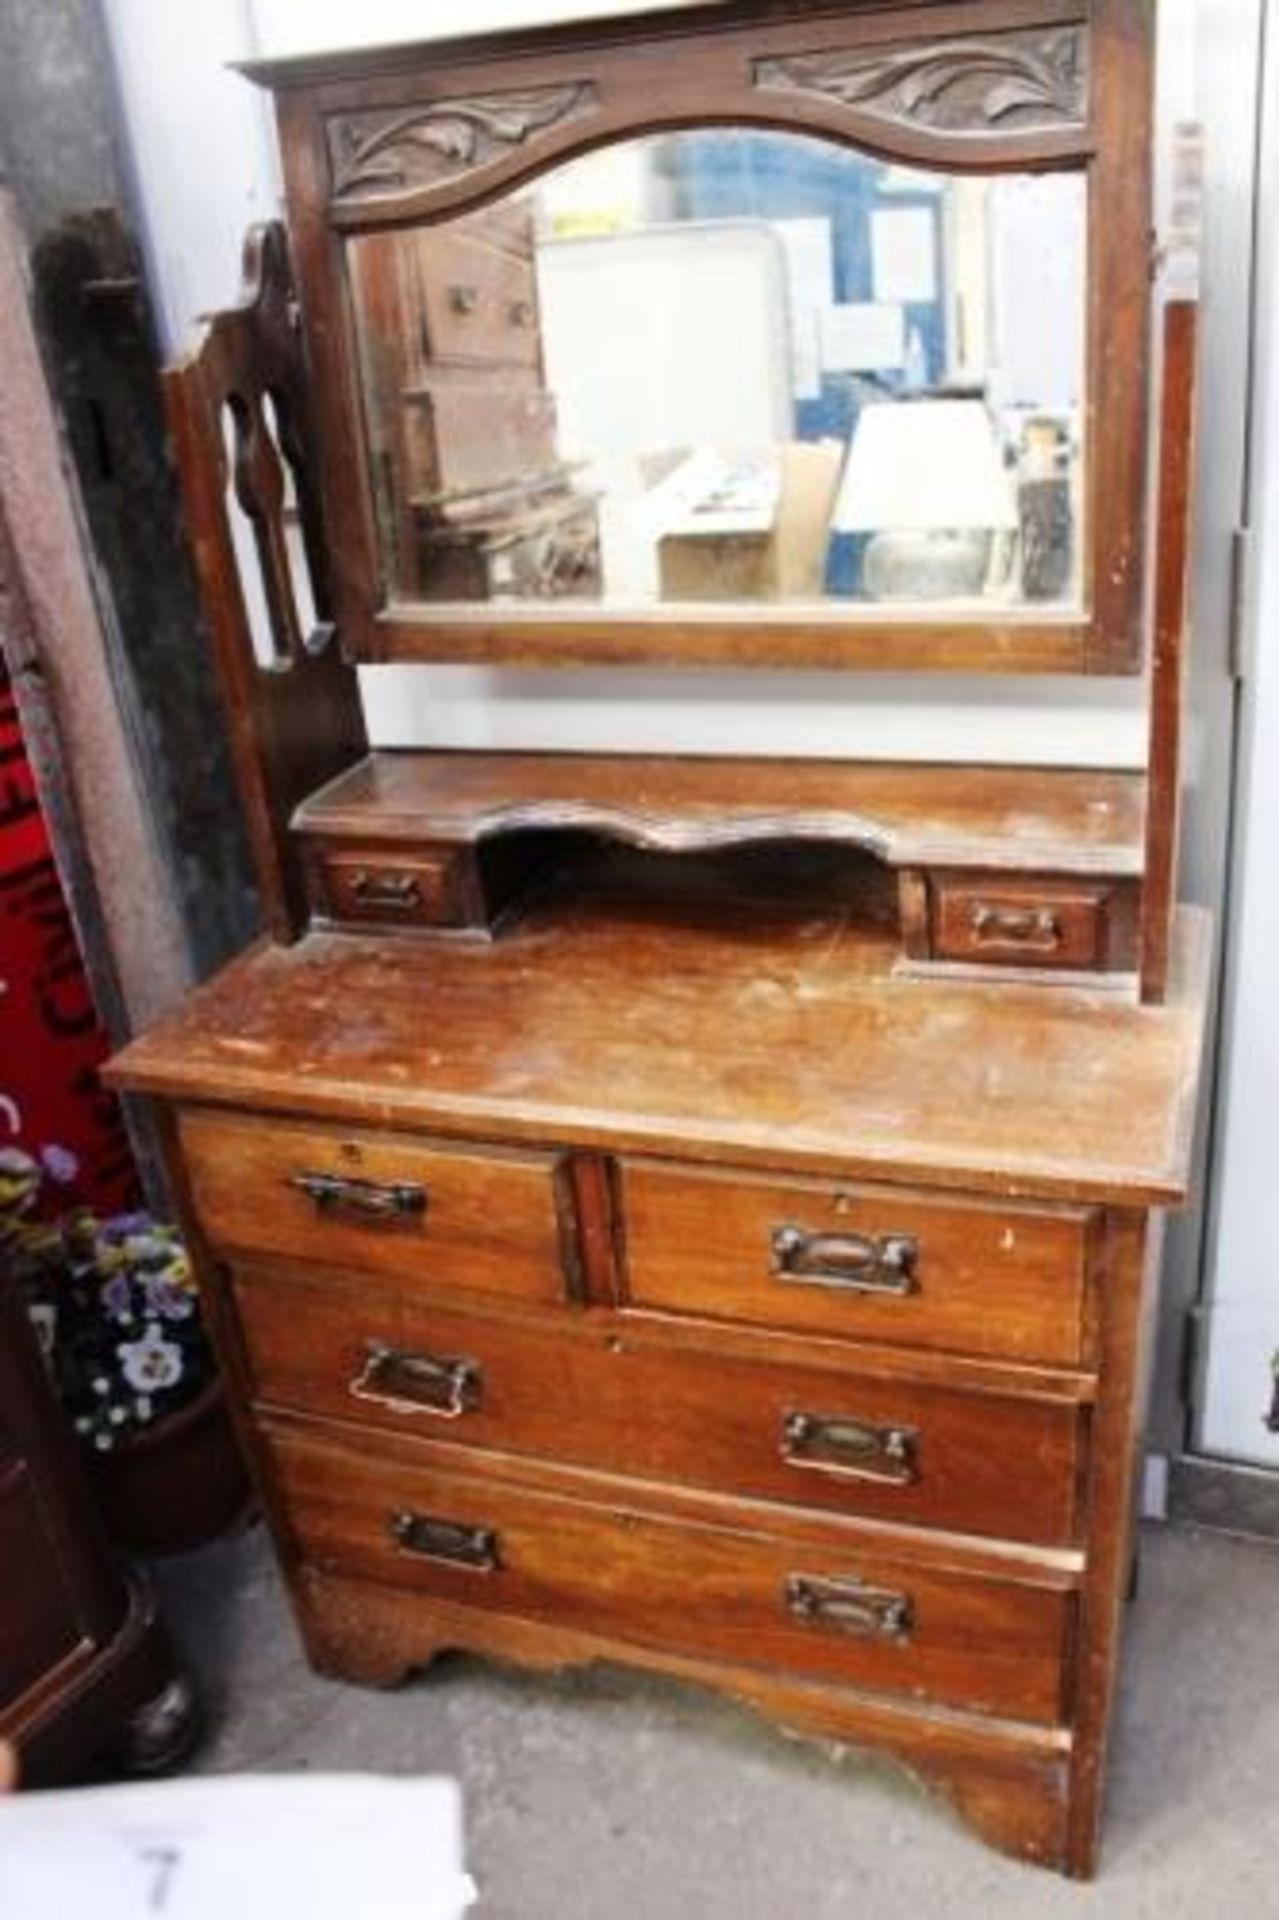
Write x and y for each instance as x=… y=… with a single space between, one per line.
x=1224 y=1494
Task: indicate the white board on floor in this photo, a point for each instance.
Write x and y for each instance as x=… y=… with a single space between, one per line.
x=258 y=1847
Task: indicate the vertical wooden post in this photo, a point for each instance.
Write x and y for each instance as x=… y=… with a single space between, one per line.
x=1167 y=673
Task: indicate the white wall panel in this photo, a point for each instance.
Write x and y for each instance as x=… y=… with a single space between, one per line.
x=1243 y=1299
x=304 y=26
x=202 y=149
x=765 y=713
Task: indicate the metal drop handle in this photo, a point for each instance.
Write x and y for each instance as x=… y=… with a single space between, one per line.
x=841 y=1444
x=1035 y=927
x=883 y=1263
x=370 y=1199
x=447 y=1541
x=444 y=1386
x=847 y=1603
x=398 y=890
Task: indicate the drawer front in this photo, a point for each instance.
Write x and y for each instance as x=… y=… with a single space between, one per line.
x=1011 y=924
x=872 y=1263
x=833 y=1612
x=437 y=1215
x=467 y=434
x=479 y=301
x=379 y=888
x=593 y=1394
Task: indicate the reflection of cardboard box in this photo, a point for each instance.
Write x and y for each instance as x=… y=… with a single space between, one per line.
x=782 y=558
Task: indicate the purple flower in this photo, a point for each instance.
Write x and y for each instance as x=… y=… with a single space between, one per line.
x=121 y=1225
x=117 y=1297
x=60 y=1164
x=163 y=1297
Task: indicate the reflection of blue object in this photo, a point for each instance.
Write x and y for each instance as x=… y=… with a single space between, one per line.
x=736 y=173
x=739 y=174
x=844 y=555
x=768 y=176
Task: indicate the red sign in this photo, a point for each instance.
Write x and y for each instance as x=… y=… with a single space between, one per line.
x=52 y=1104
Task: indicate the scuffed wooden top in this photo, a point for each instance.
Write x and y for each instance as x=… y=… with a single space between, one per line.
x=1050 y=819
x=785 y=1045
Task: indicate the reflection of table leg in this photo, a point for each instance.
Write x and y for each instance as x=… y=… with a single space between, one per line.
x=1044 y=512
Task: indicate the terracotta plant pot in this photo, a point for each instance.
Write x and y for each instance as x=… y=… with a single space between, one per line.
x=177 y=1484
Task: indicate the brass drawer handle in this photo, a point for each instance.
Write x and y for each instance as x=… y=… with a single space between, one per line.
x=418 y=1382
x=398 y=890
x=857 y=1262
x=521 y=313
x=855 y=1447
x=874 y=1613
x=1036 y=927
x=370 y=1199
x=448 y=1542
x=463 y=298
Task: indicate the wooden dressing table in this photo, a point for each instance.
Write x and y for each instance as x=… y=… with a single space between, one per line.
x=702 y=1213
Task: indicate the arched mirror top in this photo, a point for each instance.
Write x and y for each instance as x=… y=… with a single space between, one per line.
x=975 y=101
x=918 y=234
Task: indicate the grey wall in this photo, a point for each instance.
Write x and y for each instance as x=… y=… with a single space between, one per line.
x=61 y=160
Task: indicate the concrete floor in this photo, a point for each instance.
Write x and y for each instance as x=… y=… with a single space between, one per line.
x=607 y=1796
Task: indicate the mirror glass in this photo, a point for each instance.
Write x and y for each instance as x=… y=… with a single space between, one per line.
x=732 y=366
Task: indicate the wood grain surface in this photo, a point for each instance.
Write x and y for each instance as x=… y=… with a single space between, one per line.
x=611 y=1567
x=1005 y=1281
x=1054 y=819
x=788 y=1045
x=620 y=1399
x=493 y=1219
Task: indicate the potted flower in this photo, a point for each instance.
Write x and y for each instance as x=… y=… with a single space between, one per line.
x=115 y=1305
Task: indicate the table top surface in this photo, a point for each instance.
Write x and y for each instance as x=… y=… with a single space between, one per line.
x=1051 y=819
x=791 y=1042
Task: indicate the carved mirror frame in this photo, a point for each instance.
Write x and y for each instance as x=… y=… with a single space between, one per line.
x=395 y=136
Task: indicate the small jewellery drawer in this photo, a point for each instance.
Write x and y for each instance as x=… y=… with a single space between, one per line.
x=874 y=1263
x=1068 y=924
x=825 y=1608
x=599 y=1393
x=479 y=301
x=437 y=1215
x=375 y=887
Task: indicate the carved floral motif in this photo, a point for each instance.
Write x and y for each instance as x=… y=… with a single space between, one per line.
x=1011 y=81
x=390 y=151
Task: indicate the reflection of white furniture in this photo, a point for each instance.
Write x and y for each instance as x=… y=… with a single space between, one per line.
x=925 y=478
x=698 y=355
x=695 y=320
x=708 y=495
x=754 y=528
x=1036 y=353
